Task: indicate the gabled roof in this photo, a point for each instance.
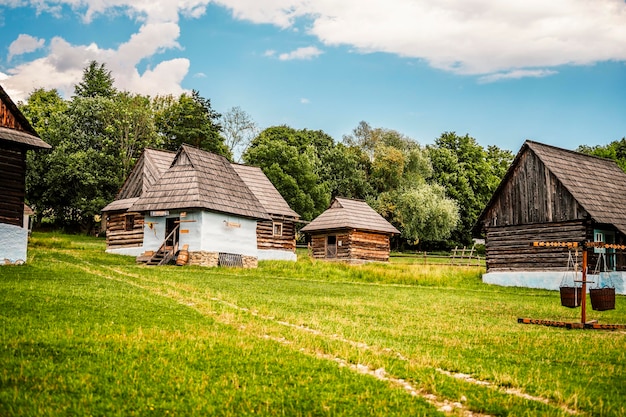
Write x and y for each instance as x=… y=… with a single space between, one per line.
x=17 y=130
x=120 y=205
x=597 y=184
x=345 y=213
x=264 y=190
x=149 y=168
x=201 y=180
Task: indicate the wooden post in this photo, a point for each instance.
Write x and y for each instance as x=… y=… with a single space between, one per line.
x=583 y=310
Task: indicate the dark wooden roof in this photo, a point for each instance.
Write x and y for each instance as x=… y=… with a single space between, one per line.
x=149 y=168
x=264 y=190
x=15 y=128
x=345 y=213
x=597 y=184
x=120 y=205
x=201 y=180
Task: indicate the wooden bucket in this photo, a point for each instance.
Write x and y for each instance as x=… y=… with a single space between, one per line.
x=602 y=298
x=571 y=296
x=183 y=256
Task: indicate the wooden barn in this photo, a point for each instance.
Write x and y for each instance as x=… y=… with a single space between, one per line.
x=124 y=228
x=552 y=194
x=350 y=230
x=16 y=137
x=276 y=238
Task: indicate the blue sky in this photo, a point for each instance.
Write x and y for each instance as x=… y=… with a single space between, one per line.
x=554 y=72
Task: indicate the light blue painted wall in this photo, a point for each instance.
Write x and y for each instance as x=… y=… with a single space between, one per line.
x=221 y=234
x=206 y=231
x=276 y=255
x=13 y=243
x=549 y=280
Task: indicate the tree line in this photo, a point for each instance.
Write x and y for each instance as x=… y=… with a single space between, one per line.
x=433 y=194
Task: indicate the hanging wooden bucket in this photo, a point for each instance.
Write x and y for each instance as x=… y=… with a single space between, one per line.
x=571 y=296
x=602 y=298
x=183 y=256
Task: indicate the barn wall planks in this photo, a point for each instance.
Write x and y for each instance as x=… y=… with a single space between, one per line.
x=117 y=236
x=266 y=239
x=12 y=186
x=352 y=245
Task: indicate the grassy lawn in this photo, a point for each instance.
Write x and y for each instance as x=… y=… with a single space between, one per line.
x=87 y=333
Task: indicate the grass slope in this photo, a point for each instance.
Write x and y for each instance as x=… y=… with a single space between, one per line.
x=86 y=333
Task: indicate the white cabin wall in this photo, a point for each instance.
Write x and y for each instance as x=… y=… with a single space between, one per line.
x=228 y=233
x=13 y=243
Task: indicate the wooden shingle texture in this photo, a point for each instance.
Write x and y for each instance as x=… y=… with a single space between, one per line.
x=201 y=180
x=264 y=190
x=149 y=168
x=346 y=213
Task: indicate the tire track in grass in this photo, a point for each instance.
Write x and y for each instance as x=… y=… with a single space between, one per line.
x=443 y=405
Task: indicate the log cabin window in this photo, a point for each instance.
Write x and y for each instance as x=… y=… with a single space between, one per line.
x=608 y=237
x=278 y=229
x=129 y=222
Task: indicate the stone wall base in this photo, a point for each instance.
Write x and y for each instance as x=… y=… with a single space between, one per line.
x=204 y=258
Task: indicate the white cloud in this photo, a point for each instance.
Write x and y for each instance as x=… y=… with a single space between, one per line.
x=461 y=36
x=516 y=74
x=305 y=101
x=63 y=64
x=307 y=52
x=24 y=44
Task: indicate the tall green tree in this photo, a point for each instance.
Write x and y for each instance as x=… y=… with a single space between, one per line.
x=97 y=81
x=290 y=159
x=469 y=174
x=238 y=129
x=189 y=119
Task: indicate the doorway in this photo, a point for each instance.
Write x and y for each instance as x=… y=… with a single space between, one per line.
x=331 y=246
x=172 y=223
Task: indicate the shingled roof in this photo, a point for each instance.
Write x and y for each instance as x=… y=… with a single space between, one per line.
x=18 y=130
x=345 y=213
x=149 y=168
x=264 y=190
x=201 y=180
x=597 y=184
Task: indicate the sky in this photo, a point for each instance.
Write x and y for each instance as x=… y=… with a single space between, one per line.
x=499 y=71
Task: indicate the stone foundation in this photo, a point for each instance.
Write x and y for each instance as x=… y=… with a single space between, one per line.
x=204 y=258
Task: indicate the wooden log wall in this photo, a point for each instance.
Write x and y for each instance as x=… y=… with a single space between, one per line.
x=509 y=248
x=266 y=239
x=369 y=246
x=532 y=195
x=12 y=185
x=116 y=234
x=318 y=245
x=354 y=245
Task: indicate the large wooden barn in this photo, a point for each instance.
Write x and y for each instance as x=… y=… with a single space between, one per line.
x=16 y=137
x=350 y=230
x=552 y=194
x=214 y=203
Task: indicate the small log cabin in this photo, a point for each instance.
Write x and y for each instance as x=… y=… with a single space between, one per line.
x=124 y=228
x=552 y=194
x=350 y=230
x=17 y=136
x=276 y=238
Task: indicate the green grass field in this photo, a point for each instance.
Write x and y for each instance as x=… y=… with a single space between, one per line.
x=84 y=333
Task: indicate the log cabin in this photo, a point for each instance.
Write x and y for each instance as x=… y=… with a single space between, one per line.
x=276 y=238
x=124 y=228
x=17 y=136
x=275 y=234
x=556 y=195
x=350 y=230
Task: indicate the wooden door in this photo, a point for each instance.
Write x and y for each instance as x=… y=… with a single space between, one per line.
x=170 y=224
x=331 y=246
